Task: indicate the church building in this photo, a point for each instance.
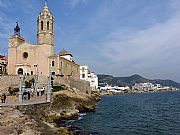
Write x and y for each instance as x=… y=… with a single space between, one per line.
x=28 y=59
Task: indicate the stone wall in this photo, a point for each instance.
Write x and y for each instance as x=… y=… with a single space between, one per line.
x=14 y=80
x=61 y=81
x=81 y=85
x=42 y=81
x=10 y=81
x=72 y=82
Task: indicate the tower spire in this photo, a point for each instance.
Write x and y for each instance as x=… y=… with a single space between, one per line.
x=45 y=2
x=45 y=5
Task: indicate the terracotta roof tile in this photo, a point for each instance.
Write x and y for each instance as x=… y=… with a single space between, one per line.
x=64 y=52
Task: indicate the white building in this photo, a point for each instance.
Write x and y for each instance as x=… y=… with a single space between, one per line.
x=147 y=86
x=84 y=72
x=93 y=79
x=143 y=86
x=87 y=75
x=114 y=88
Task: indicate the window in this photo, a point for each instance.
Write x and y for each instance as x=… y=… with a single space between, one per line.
x=41 y=25
x=48 y=25
x=25 y=55
x=83 y=75
x=61 y=64
x=53 y=73
x=31 y=72
x=52 y=64
x=66 y=65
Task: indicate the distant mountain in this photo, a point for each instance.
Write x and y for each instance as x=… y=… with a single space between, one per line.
x=131 y=80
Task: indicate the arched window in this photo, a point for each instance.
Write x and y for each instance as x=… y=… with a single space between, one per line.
x=52 y=63
x=48 y=25
x=41 y=25
x=20 y=71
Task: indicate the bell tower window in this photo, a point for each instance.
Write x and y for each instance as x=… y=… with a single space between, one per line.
x=41 y=25
x=48 y=25
x=52 y=63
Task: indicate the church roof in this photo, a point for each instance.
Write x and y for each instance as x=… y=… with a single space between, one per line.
x=64 y=52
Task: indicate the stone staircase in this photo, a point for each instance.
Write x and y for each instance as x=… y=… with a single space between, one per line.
x=42 y=81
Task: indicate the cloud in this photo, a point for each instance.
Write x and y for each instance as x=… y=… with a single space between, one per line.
x=153 y=51
x=12 y=11
x=6 y=24
x=75 y=3
x=5 y=3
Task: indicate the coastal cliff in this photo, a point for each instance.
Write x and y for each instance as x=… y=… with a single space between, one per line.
x=48 y=118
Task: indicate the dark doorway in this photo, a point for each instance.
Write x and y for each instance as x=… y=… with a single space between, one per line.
x=20 y=71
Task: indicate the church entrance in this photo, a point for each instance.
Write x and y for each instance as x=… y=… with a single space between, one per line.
x=20 y=71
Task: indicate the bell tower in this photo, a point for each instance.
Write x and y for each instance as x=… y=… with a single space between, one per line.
x=45 y=29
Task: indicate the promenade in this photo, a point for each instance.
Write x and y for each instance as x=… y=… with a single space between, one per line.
x=13 y=101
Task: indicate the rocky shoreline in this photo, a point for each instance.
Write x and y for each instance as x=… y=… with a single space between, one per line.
x=47 y=118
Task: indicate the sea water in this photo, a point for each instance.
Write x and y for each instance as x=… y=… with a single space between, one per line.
x=134 y=114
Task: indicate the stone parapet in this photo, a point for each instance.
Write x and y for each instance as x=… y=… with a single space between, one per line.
x=11 y=81
x=83 y=86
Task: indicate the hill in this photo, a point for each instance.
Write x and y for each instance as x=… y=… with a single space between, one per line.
x=131 y=80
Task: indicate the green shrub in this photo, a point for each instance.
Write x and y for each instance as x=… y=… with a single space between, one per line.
x=29 y=83
x=59 y=88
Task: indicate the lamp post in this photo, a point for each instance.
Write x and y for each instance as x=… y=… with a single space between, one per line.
x=49 y=90
x=21 y=88
x=36 y=76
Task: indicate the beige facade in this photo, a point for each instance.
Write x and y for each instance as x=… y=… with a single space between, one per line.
x=29 y=59
x=25 y=58
x=3 y=64
x=63 y=67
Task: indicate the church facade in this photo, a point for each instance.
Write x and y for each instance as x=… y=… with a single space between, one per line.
x=28 y=59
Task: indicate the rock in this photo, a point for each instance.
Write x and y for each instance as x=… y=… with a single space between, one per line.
x=47 y=118
x=14 y=122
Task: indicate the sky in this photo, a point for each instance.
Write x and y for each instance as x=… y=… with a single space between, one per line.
x=116 y=37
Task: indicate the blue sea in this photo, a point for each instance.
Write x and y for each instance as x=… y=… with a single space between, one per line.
x=134 y=114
